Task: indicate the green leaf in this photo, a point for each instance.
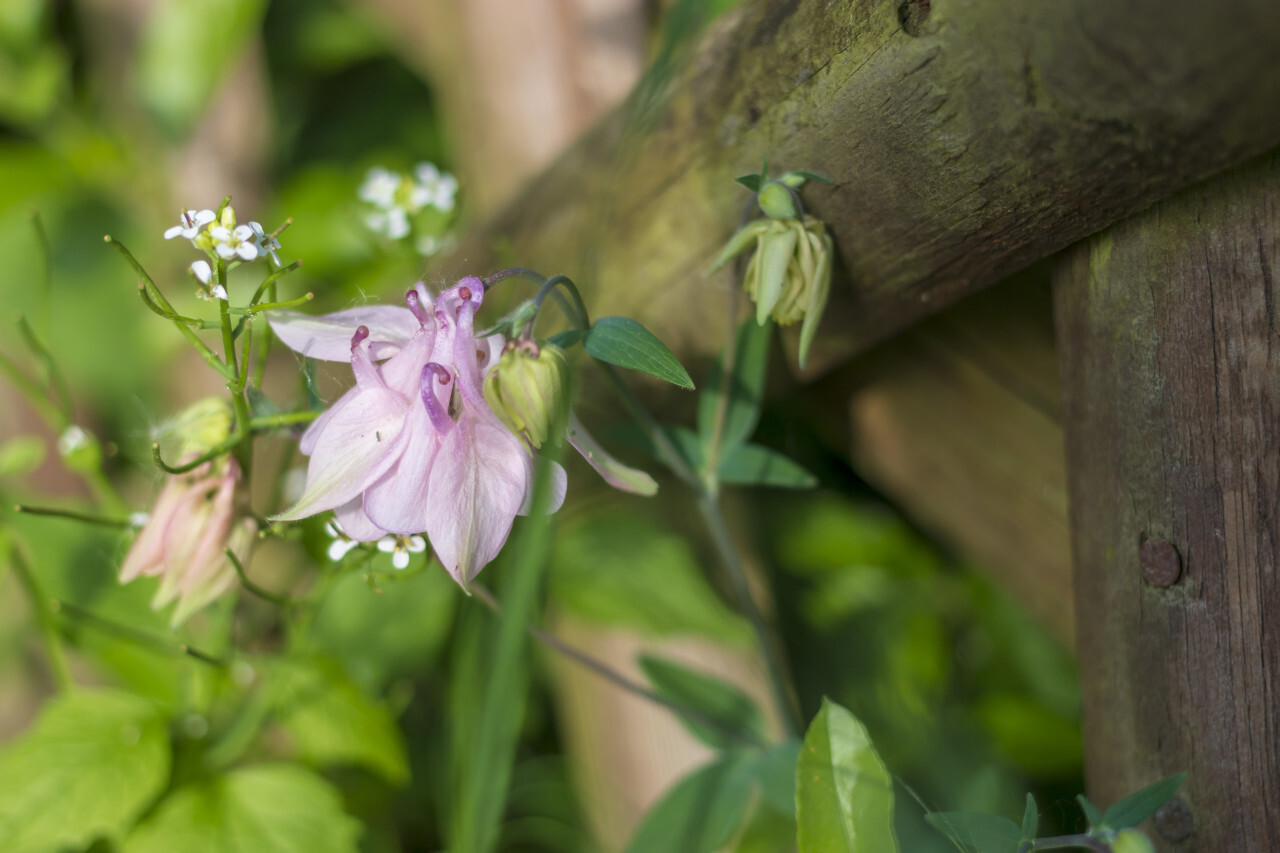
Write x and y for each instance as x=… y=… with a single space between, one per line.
x=751 y=182
x=776 y=773
x=796 y=179
x=565 y=339
x=755 y=465
x=976 y=832
x=1091 y=812
x=334 y=723
x=267 y=808
x=22 y=455
x=624 y=342
x=745 y=391
x=1136 y=808
x=617 y=567
x=720 y=701
x=91 y=764
x=701 y=813
x=844 y=795
x=1030 y=820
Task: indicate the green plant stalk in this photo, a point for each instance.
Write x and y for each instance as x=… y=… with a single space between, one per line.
x=284 y=419
x=140 y=638
x=280 y=601
x=57 y=655
x=243 y=450
x=35 y=395
x=1065 y=842
x=73 y=515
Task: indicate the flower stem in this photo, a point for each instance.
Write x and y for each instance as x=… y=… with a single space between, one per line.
x=243 y=448
x=1063 y=842
x=73 y=515
x=52 y=374
x=270 y=422
x=44 y=611
x=611 y=675
x=278 y=600
x=141 y=638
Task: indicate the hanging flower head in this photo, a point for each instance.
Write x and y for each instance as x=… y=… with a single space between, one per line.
x=414 y=446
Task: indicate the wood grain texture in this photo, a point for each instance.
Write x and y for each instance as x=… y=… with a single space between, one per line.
x=1003 y=131
x=1170 y=355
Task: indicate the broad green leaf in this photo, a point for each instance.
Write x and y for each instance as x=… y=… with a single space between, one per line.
x=90 y=765
x=701 y=813
x=565 y=339
x=767 y=832
x=333 y=722
x=187 y=49
x=745 y=389
x=1030 y=820
x=619 y=568
x=976 y=832
x=733 y=710
x=1136 y=808
x=267 y=808
x=1091 y=812
x=751 y=182
x=21 y=455
x=844 y=794
x=624 y=342
x=755 y=465
x=776 y=773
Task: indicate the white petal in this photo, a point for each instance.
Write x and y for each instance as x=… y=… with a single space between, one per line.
x=173 y=232
x=202 y=271
x=220 y=292
x=400 y=559
x=416 y=545
x=387 y=544
x=328 y=337
x=248 y=251
x=225 y=251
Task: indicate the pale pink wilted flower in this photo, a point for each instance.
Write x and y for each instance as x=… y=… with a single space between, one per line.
x=414 y=446
x=185 y=539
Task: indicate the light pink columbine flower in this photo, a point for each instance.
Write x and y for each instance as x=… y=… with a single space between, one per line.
x=414 y=446
x=185 y=539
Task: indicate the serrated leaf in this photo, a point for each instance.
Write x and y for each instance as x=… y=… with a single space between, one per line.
x=1091 y=812
x=776 y=773
x=21 y=455
x=755 y=465
x=1136 y=808
x=844 y=795
x=745 y=390
x=333 y=722
x=1030 y=820
x=268 y=808
x=701 y=813
x=712 y=698
x=976 y=832
x=91 y=764
x=751 y=182
x=624 y=342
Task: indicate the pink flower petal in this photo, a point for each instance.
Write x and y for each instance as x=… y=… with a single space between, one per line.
x=357 y=446
x=328 y=337
x=398 y=502
x=559 y=485
x=355 y=522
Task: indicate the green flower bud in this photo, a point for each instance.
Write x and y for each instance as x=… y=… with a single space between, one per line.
x=789 y=276
x=198 y=428
x=80 y=450
x=528 y=389
x=776 y=201
x=1132 y=841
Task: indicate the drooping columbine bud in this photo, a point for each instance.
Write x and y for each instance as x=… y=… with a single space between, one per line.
x=789 y=276
x=529 y=390
x=198 y=428
x=1132 y=841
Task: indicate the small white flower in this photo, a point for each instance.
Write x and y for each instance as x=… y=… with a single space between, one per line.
x=219 y=292
x=202 y=271
x=341 y=546
x=190 y=223
x=235 y=243
x=72 y=439
x=266 y=244
x=433 y=188
x=393 y=223
x=400 y=547
x=380 y=187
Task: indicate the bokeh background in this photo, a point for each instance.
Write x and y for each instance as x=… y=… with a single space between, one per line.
x=116 y=114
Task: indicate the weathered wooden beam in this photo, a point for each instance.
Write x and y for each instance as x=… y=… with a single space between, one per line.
x=1170 y=346
x=965 y=143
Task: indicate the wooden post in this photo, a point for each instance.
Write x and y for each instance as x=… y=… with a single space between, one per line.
x=1169 y=340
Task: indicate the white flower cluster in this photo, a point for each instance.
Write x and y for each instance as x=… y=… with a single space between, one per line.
x=399 y=547
x=220 y=237
x=395 y=197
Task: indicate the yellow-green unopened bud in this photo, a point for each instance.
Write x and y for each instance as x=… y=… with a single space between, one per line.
x=80 y=450
x=789 y=276
x=776 y=201
x=529 y=390
x=1132 y=841
x=198 y=428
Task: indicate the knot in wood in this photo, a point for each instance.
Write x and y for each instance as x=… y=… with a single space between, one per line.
x=1161 y=565
x=1174 y=820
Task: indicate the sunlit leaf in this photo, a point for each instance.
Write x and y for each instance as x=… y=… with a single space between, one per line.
x=90 y=765
x=701 y=812
x=844 y=794
x=624 y=342
x=1136 y=808
x=269 y=808
x=728 y=717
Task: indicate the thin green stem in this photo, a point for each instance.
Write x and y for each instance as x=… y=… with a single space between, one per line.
x=46 y=280
x=264 y=423
x=268 y=283
x=53 y=375
x=1064 y=842
x=243 y=447
x=169 y=315
x=138 y=268
x=278 y=600
x=611 y=675
x=44 y=611
x=35 y=395
x=133 y=635
x=264 y=349
x=268 y=306
x=667 y=451
x=224 y=447
x=73 y=515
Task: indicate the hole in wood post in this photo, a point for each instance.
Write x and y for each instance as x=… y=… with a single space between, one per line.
x=912 y=14
x=1174 y=820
